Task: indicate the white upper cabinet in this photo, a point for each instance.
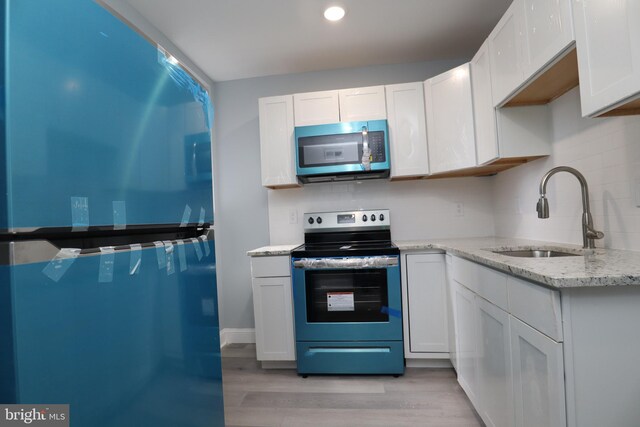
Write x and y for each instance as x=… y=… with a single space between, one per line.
x=345 y=105
x=530 y=36
x=277 y=141
x=407 y=130
x=362 y=104
x=450 y=127
x=316 y=108
x=483 y=110
x=504 y=133
x=505 y=52
x=547 y=31
x=608 y=45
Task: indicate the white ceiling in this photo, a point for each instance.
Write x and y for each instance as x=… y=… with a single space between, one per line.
x=235 y=39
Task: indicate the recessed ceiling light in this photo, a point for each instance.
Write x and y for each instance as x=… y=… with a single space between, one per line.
x=334 y=13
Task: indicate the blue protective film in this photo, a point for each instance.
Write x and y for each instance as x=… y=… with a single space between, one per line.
x=89 y=111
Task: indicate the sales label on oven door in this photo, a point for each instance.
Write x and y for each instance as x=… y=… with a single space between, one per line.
x=340 y=301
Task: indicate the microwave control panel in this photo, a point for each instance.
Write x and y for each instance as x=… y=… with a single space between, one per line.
x=376 y=144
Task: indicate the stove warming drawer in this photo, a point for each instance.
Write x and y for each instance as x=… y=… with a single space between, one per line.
x=371 y=357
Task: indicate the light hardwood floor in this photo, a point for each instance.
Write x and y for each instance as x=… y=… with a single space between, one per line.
x=259 y=397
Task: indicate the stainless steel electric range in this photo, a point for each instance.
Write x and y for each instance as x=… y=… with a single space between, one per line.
x=346 y=292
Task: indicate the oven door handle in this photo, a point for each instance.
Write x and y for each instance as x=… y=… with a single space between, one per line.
x=345 y=263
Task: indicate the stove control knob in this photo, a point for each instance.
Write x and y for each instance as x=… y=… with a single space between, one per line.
x=373 y=217
x=319 y=220
x=381 y=217
x=364 y=218
x=310 y=220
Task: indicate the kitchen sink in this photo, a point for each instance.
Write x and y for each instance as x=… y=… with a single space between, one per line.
x=534 y=253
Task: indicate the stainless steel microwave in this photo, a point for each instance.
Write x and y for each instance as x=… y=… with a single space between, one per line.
x=342 y=151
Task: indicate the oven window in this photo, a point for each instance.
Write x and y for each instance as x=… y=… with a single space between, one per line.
x=347 y=295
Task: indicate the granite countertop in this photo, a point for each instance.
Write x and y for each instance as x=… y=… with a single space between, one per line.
x=273 y=250
x=599 y=267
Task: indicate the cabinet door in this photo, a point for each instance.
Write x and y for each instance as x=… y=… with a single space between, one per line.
x=316 y=108
x=608 y=45
x=547 y=31
x=450 y=129
x=277 y=141
x=505 y=52
x=407 y=130
x=538 y=377
x=451 y=311
x=495 y=381
x=465 y=324
x=427 y=298
x=483 y=110
x=273 y=310
x=362 y=104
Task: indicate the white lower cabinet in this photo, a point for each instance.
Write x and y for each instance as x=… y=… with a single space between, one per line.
x=453 y=354
x=273 y=308
x=425 y=301
x=512 y=373
x=465 y=325
x=495 y=385
x=538 y=377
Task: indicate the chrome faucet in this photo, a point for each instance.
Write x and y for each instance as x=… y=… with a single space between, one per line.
x=589 y=234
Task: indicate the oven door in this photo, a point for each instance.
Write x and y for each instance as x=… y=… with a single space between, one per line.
x=347 y=299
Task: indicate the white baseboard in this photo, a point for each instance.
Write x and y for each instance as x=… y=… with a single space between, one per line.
x=278 y=364
x=428 y=363
x=237 y=336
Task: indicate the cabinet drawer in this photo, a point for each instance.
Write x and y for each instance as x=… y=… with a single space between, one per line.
x=270 y=266
x=492 y=286
x=536 y=305
x=465 y=272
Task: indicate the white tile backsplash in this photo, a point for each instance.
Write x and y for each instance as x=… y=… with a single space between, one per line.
x=606 y=151
x=419 y=209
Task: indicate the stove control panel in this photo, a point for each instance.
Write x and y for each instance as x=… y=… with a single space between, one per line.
x=347 y=220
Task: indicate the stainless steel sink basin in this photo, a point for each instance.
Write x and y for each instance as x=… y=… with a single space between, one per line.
x=534 y=253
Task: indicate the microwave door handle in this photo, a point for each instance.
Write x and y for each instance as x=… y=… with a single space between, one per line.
x=366 y=151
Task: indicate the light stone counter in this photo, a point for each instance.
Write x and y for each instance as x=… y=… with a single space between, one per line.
x=273 y=250
x=599 y=267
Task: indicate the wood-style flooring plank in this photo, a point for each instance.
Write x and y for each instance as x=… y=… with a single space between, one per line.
x=257 y=397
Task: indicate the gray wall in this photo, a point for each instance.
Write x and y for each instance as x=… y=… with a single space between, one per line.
x=242 y=221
